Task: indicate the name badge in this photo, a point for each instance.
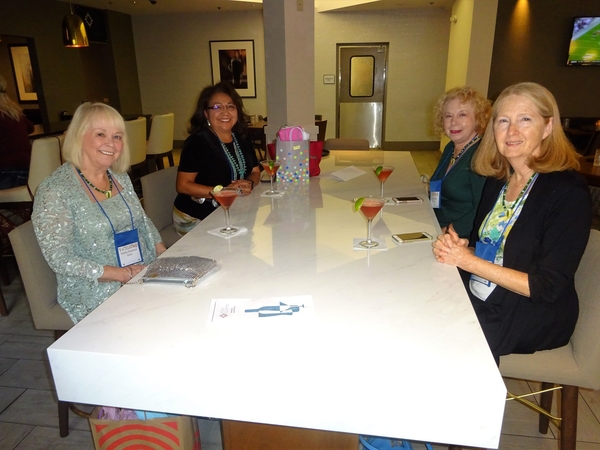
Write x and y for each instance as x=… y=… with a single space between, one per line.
x=128 y=247
x=435 y=194
x=488 y=252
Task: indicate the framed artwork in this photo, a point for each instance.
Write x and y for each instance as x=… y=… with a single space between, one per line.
x=233 y=61
x=21 y=64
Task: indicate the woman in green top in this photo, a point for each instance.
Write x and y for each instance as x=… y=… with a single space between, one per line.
x=455 y=190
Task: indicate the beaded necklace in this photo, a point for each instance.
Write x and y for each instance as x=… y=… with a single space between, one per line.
x=453 y=159
x=510 y=209
x=237 y=163
x=107 y=193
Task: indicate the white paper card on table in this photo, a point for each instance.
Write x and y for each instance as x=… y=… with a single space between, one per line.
x=216 y=232
x=381 y=241
x=348 y=173
x=259 y=310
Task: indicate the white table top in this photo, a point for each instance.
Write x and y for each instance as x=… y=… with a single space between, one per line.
x=393 y=347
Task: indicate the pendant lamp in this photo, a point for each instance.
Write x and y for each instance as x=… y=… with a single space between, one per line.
x=74 y=34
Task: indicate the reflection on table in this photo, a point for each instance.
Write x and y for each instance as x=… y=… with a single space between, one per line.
x=393 y=347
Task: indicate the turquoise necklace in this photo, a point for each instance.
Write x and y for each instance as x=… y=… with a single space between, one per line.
x=237 y=162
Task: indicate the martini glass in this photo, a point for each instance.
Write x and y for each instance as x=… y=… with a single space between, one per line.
x=225 y=197
x=370 y=207
x=383 y=173
x=271 y=168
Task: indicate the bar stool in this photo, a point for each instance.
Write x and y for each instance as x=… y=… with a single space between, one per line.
x=136 y=137
x=160 y=143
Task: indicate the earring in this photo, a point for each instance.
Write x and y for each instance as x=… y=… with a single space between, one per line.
x=208 y=122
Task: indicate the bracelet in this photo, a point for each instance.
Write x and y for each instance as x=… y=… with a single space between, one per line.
x=130 y=272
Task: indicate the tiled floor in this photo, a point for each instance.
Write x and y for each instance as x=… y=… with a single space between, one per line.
x=28 y=416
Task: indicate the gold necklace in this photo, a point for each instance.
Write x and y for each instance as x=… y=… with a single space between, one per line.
x=107 y=193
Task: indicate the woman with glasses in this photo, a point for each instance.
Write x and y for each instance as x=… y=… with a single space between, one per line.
x=217 y=152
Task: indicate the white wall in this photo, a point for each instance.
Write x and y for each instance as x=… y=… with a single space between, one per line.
x=174 y=62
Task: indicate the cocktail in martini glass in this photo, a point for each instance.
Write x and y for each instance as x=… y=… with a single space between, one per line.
x=271 y=168
x=225 y=196
x=369 y=206
x=383 y=173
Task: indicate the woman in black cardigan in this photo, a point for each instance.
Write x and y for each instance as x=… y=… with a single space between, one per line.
x=531 y=228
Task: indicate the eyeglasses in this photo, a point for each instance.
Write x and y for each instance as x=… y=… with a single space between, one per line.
x=220 y=107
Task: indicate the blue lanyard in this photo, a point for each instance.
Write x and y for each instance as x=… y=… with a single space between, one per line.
x=513 y=218
x=102 y=209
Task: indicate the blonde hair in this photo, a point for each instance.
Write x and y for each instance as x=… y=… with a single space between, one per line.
x=465 y=95
x=7 y=106
x=556 y=152
x=86 y=116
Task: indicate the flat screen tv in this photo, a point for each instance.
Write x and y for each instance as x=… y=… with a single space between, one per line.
x=585 y=42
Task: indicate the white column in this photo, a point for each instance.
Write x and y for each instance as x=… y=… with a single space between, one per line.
x=290 y=64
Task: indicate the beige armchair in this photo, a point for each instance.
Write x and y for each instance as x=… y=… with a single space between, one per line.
x=159 y=194
x=40 y=286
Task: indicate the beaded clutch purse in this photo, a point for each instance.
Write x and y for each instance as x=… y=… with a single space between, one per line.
x=185 y=270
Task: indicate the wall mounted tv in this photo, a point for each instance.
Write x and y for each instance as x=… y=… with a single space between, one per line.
x=585 y=42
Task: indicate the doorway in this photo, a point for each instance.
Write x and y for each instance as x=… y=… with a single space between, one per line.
x=362 y=70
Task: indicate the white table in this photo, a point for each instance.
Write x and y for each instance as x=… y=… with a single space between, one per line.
x=393 y=349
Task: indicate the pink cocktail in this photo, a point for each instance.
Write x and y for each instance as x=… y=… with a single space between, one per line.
x=226 y=197
x=271 y=168
x=382 y=173
x=370 y=208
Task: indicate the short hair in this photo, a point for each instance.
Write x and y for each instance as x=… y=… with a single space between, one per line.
x=199 y=121
x=556 y=151
x=86 y=116
x=464 y=94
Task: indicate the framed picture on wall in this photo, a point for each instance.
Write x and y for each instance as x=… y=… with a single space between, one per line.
x=233 y=61
x=21 y=64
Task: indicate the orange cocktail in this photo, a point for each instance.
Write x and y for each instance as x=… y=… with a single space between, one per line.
x=225 y=196
x=271 y=168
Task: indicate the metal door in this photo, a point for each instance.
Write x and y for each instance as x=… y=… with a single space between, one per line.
x=361 y=91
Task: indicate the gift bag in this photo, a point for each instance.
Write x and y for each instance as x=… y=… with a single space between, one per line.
x=170 y=433
x=315 y=154
x=294 y=157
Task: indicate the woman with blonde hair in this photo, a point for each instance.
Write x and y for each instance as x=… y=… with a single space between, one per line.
x=454 y=189
x=88 y=219
x=15 y=148
x=531 y=228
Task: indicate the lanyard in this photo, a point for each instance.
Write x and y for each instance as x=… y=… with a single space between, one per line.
x=469 y=144
x=513 y=217
x=102 y=209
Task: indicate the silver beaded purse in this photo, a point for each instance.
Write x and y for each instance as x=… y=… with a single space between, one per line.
x=185 y=270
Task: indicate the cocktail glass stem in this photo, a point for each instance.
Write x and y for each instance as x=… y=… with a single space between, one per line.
x=227 y=226
x=381 y=194
x=272 y=176
x=369 y=241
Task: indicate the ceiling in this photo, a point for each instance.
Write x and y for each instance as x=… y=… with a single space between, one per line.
x=141 y=7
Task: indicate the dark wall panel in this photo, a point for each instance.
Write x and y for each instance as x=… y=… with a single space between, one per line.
x=531 y=44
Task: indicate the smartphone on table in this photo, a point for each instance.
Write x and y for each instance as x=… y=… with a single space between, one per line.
x=407 y=199
x=417 y=236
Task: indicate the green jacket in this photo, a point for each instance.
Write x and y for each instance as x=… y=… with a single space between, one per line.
x=461 y=191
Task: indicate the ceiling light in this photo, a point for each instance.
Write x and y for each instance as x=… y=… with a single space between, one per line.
x=74 y=34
